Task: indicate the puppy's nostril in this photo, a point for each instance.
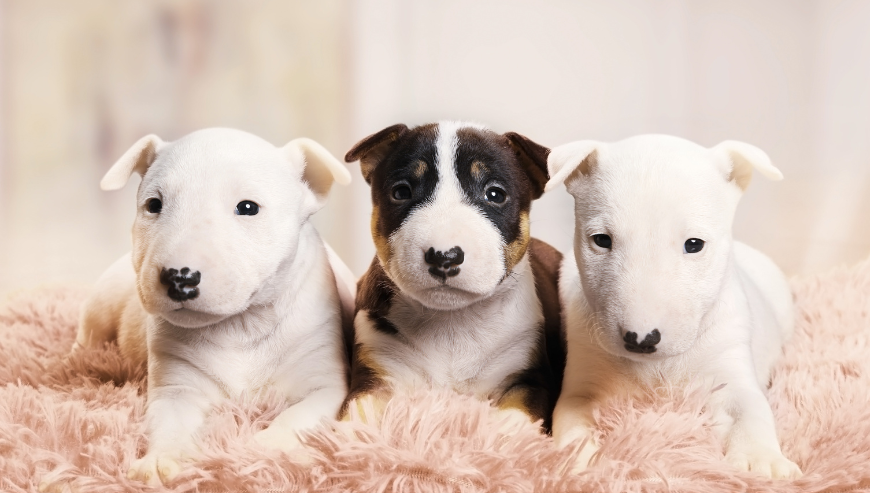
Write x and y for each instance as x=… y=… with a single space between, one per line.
x=444 y=260
x=182 y=284
x=442 y=263
x=646 y=346
x=652 y=338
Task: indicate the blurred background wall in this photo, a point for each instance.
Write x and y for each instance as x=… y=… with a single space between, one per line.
x=80 y=81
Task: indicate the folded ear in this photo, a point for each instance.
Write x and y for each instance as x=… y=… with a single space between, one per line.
x=137 y=158
x=372 y=149
x=533 y=158
x=564 y=160
x=739 y=158
x=320 y=167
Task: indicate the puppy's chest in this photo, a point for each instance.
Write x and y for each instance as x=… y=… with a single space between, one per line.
x=242 y=362
x=471 y=351
x=240 y=366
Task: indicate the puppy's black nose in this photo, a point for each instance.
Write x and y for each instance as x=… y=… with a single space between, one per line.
x=182 y=284
x=443 y=263
x=646 y=346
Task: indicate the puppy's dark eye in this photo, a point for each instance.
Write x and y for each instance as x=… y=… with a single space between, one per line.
x=495 y=195
x=603 y=241
x=155 y=206
x=401 y=192
x=247 y=208
x=693 y=245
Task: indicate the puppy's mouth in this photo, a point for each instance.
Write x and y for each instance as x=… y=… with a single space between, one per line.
x=192 y=319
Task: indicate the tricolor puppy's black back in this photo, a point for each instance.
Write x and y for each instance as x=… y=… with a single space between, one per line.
x=459 y=294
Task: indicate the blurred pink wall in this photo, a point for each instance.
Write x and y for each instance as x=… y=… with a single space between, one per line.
x=81 y=81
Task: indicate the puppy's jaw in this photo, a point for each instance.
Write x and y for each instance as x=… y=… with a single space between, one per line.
x=382 y=244
x=516 y=249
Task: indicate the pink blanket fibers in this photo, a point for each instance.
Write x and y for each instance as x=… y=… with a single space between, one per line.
x=75 y=424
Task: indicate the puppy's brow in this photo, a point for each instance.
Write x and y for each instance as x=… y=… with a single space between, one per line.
x=478 y=170
x=420 y=168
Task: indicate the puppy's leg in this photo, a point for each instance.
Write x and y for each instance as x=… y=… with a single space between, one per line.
x=745 y=421
x=750 y=440
x=101 y=313
x=521 y=405
x=367 y=406
x=282 y=433
x=573 y=425
x=174 y=415
x=369 y=390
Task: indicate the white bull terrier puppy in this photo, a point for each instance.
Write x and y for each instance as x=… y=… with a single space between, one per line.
x=657 y=291
x=229 y=288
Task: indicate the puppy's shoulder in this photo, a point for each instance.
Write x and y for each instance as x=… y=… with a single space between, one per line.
x=374 y=294
x=545 y=261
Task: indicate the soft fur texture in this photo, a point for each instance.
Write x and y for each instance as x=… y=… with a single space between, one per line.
x=660 y=293
x=78 y=422
x=229 y=284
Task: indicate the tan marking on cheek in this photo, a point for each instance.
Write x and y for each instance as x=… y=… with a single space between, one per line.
x=382 y=244
x=420 y=169
x=478 y=169
x=516 y=249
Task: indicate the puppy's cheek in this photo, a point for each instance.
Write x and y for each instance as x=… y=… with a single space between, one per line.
x=382 y=242
x=515 y=250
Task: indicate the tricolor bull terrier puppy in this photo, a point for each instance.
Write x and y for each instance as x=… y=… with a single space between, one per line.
x=658 y=293
x=458 y=296
x=229 y=288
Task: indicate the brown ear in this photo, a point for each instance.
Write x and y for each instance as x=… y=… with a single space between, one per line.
x=372 y=149
x=533 y=158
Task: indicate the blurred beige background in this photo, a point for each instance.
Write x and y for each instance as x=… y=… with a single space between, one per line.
x=81 y=80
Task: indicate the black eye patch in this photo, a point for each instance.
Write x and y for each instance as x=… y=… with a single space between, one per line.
x=405 y=179
x=492 y=179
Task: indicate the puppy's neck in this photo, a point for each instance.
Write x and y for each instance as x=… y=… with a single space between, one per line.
x=281 y=290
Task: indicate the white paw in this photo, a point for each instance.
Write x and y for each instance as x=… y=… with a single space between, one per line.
x=764 y=461
x=584 y=457
x=279 y=438
x=578 y=437
x=155 y=468
x=511 y=420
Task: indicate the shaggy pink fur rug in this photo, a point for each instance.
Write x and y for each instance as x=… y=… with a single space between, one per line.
x=76 y=424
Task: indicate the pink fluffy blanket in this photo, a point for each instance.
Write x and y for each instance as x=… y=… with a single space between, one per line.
x=75 y=424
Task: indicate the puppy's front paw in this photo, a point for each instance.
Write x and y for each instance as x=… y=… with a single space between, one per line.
x=585 y=456
x=277 y=438
x=368 y=408
x=286 y=440
x=582 y=438
x=764 y=461
x=155 y=468
x=511 y=420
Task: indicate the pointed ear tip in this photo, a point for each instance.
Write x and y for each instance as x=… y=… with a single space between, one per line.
x=550 y=186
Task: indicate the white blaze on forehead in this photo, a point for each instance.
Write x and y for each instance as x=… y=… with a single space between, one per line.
x=448 y=188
